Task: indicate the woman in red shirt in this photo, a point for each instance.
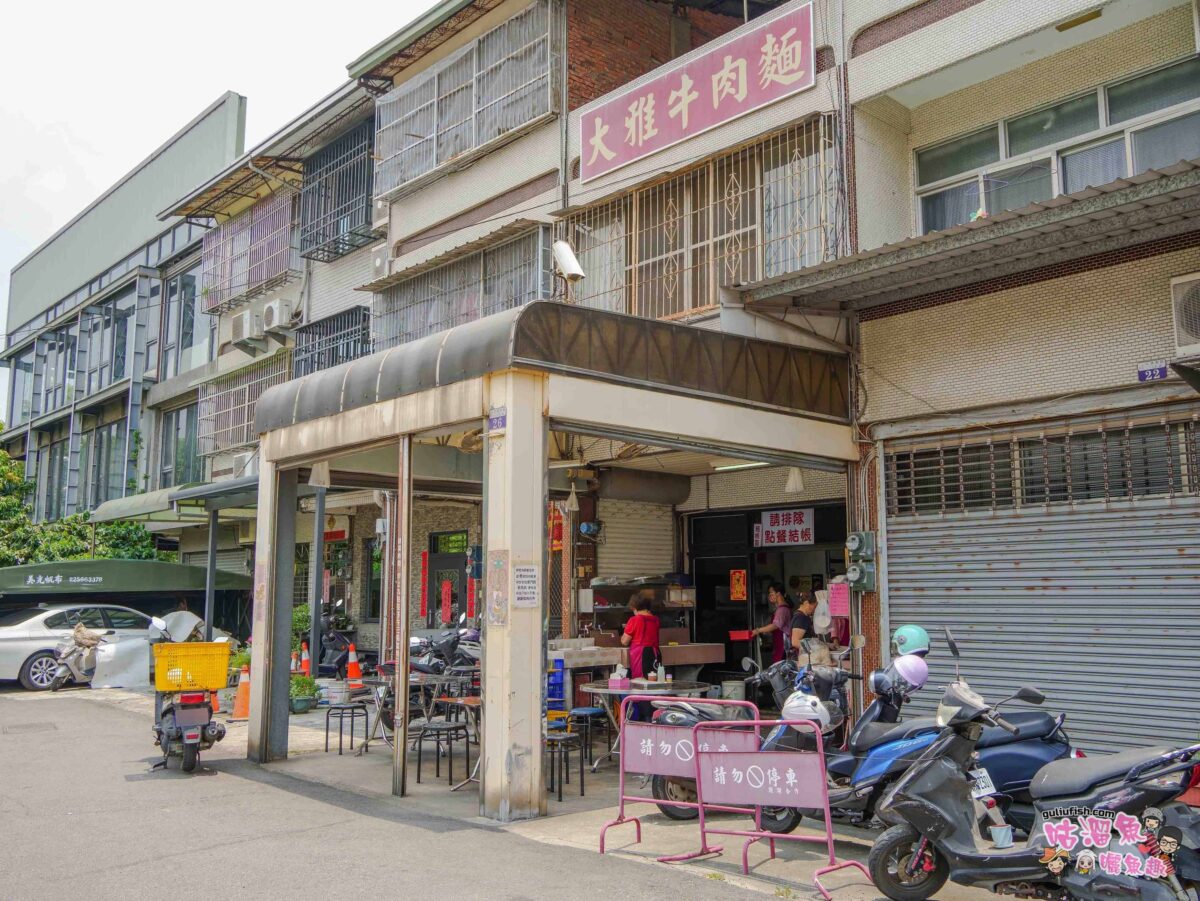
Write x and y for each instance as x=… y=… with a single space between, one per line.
x=641 y=637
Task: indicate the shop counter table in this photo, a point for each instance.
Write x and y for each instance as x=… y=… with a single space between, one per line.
x=610 y=699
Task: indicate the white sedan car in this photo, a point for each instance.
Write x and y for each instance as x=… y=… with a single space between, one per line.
x=28 y=637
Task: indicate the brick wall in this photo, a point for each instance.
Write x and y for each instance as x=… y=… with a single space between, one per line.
x=1080 y=332
x=612 y=42
x=427 y=517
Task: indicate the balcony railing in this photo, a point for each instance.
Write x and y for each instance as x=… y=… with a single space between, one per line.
x=665 y=250
x=251 y=253
x=478 y=285
x=333 y=341
x=335 y=202
x=226 y=419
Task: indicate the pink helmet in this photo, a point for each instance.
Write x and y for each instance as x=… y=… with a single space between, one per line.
x=912 y=669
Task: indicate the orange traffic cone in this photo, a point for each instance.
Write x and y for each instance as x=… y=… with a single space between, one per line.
x=353 y=671
x=305 y=663
x=241 y=704
x=295 y=662
x=216 y=701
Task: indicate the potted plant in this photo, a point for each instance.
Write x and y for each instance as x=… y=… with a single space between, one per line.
x=302 y=694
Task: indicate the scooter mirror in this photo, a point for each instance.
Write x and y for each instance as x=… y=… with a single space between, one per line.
x=748 y=664
x=462 y=618
x=1030 y=695
x=109 y=632
x=858 y=642
x=952 y=645
x=158 y=623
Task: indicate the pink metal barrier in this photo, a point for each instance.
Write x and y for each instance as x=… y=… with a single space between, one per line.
x=726 y=777
x=655 y=750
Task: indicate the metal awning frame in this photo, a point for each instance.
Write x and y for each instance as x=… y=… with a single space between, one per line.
x=1130 y=211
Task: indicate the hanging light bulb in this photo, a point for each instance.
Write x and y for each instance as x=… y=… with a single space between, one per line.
x=573 y=500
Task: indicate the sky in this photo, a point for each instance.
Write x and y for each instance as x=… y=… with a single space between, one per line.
x=90 y=89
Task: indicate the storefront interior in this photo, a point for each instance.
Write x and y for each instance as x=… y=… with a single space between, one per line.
x=575 y=494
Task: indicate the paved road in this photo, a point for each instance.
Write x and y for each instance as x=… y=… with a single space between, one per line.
x=80 y=814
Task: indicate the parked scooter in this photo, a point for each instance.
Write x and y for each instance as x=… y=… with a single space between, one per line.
x=881 y=748
x=183 y=724
x=335 y=645
x=77 y=656
x=933 y=834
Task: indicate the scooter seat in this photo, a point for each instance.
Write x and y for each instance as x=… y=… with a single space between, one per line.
x=1030 y=723
x=1074 y=776
x=875 y=734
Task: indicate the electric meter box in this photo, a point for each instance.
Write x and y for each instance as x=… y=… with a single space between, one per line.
x=861 y=545
x=861 y=576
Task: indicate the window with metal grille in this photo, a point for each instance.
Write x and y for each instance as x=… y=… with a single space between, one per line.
x=1102 y=465
x=226 y=416
x=948 y=479
x=1110 y=464
x=251 y=253
x=335 y=201
x=333 y=341
x=478 y=285
x=494 y=86
x=666 y=249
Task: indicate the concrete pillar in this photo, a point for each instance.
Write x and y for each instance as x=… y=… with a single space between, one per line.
x=514 y=667
x=271 y=633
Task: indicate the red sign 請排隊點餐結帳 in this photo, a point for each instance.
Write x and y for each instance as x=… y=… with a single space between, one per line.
x=728 y=78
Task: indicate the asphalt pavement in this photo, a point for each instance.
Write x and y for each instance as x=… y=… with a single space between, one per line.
x=81 y=813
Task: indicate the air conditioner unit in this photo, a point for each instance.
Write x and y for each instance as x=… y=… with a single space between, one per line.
x=379 y=262
x=247 y=327
x=277 y=315
x=245 y=464
x=379 y=216
x=1185 y=305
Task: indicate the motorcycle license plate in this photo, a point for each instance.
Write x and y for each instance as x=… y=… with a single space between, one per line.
x=982 y=783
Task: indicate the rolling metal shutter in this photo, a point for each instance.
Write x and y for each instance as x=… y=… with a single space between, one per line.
x=639 y=540
x=230 y=561
x=1086 y=599
x=332 y=284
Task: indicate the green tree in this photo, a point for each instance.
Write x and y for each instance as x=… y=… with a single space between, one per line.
x=23 y=541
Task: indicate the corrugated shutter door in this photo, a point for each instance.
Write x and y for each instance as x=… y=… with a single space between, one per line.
x=230 y=561
x=332 y=284
x=1096 y=604
x=639 y=540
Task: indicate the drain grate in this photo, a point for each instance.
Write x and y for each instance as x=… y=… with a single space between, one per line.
x=26 y=728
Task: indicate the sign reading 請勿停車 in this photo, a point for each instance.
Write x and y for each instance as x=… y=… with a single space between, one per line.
x=727 y=78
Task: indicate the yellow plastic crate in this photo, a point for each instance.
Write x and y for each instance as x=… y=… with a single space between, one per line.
x=191 y=665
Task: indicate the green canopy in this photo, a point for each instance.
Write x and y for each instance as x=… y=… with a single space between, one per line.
x=74 y=577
